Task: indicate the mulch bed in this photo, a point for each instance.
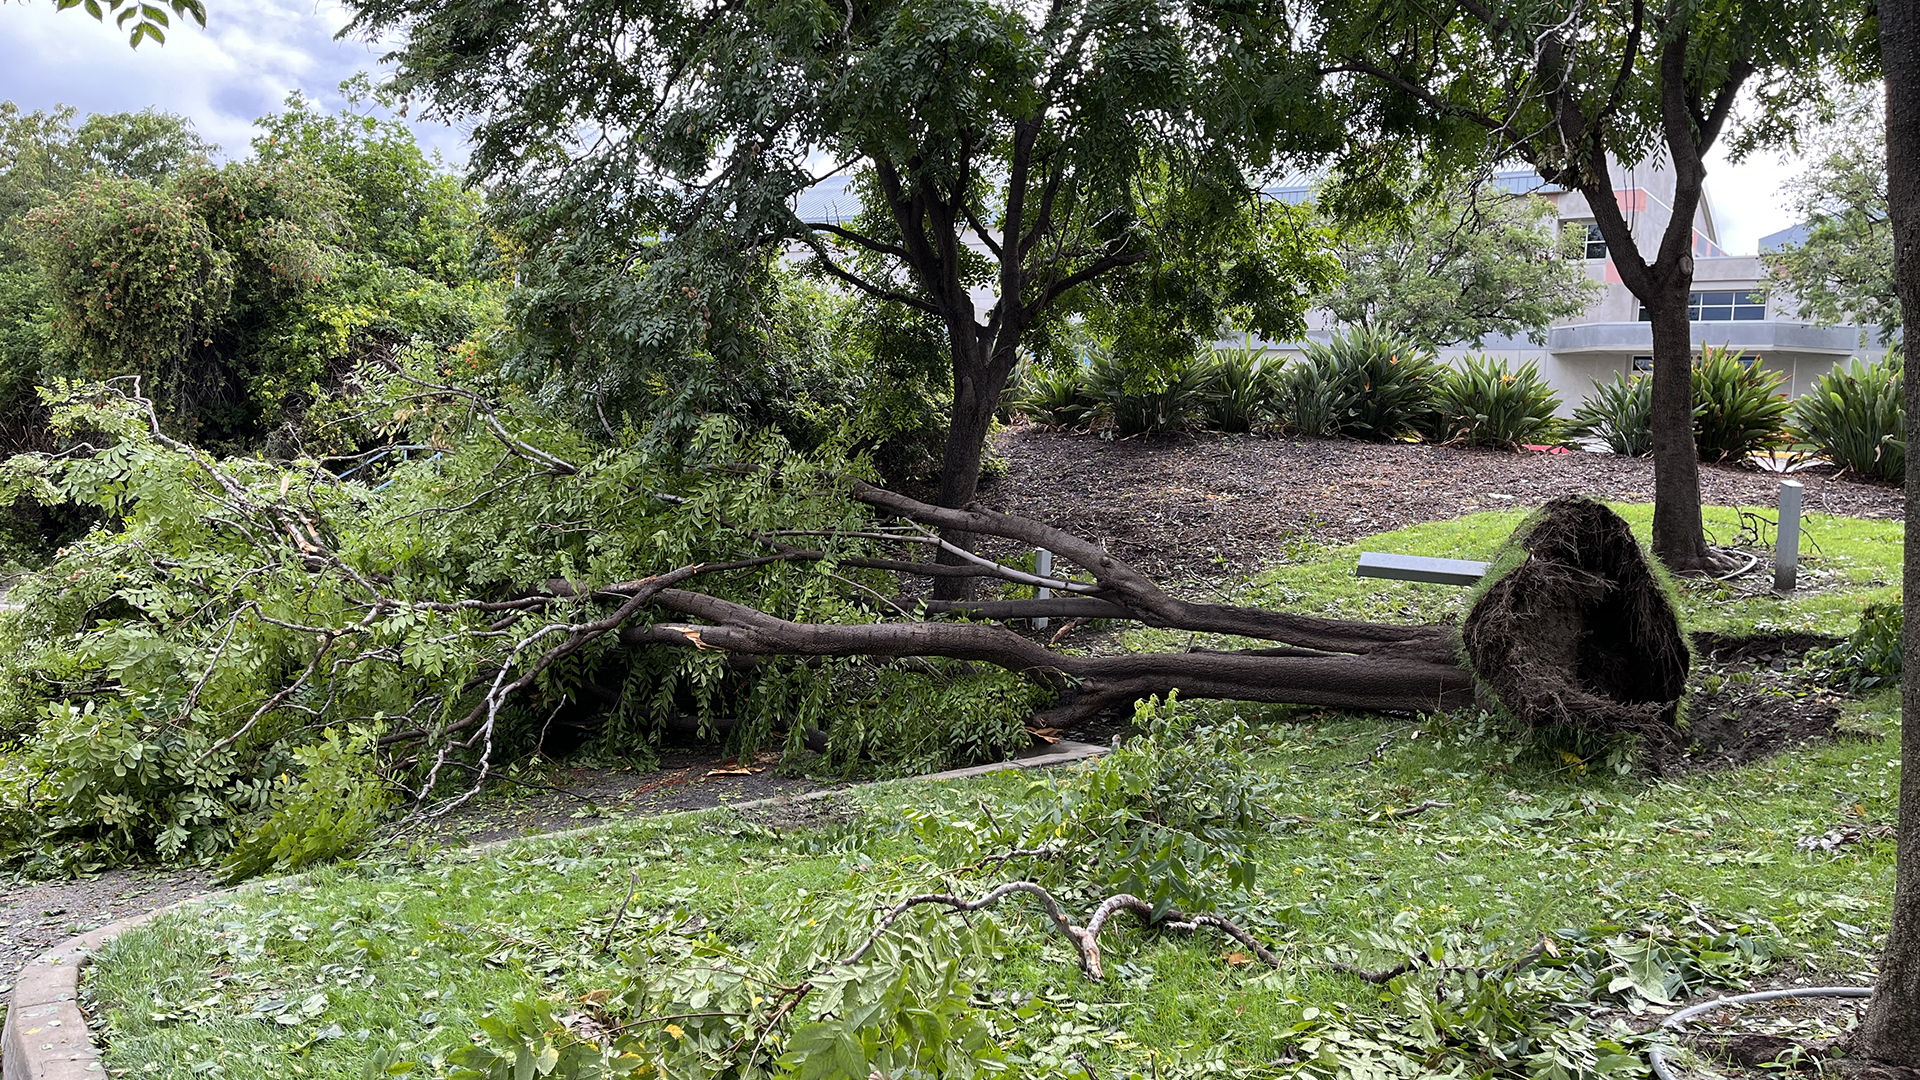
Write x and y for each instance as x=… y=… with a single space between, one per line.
x=1206 y=507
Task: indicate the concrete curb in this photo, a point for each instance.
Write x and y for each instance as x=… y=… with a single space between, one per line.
x=46 y=1036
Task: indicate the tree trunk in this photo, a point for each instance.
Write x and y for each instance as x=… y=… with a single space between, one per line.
x=1679 y=538
x=1590 y=598
x=1418 y=674
x=977 y=384
x=1891 y=1032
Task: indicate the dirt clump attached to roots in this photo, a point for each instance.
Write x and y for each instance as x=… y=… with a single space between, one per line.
x=1579 y=635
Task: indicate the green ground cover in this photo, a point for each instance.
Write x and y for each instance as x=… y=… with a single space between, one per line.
x=1846 y=563
x=1544 y=905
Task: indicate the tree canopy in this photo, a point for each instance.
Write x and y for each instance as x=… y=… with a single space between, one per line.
x=996 y=160
x=1459 y=268
x=1842 y=271
x=1567 y=90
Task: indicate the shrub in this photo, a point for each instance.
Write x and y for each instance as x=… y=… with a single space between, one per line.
x=1054 y=397
x=1375 y=386
x=1857 y=416
x=1306 y=397
x=1144 y=403
x=1484 y=404
x=1618 y=413
x=1737 y=408
x=338 y=799
x=1870 y=657
x=1240 y=392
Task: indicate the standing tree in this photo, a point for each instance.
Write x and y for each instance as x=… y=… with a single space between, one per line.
x=1891 y=1031
x=42 y=155
x=1566 y=87
x=1460 y=267
x=997 y=160
x=1842 y=271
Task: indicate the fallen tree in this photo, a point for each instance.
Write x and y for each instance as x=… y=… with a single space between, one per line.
x=227 y=613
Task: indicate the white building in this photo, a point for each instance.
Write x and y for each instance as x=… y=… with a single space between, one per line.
x=1734 y=303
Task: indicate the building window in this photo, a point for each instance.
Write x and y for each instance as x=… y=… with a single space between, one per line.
x=1642 y=364
x=1731 y=306
x=1596 y=244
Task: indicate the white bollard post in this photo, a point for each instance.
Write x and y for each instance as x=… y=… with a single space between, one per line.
x=1042 y=565
x=1786 y=547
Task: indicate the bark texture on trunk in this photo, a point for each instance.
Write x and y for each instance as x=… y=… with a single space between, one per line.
x=1679 y=538
x=976 y=392
x=1327 y=662
x=1690 y=122
x=1891 y=1032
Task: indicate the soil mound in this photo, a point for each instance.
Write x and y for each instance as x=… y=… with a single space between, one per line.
x=1578 y=634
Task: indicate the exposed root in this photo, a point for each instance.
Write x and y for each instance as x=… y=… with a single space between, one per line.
x=1579 y=635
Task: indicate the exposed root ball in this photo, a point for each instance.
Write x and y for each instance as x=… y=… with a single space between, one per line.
x=1579 y=634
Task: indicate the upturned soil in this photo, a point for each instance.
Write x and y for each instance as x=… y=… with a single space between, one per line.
x=1190 y=510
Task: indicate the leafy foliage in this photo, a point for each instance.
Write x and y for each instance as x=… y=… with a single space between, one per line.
x=1361 y=383
x=1482 y=403
x=149 y=20
x=1097 y=158
x=1620 y=414
x=337 y=801
x=43 y=155
x=181 y=663
x=1458 y=266
x=1171 y=816
x=241 y=294
x=1857 y=416
x=1146 y=402
x=1242 y=385
x=1737 y=407
x=1054 y=395
x=1871 y=656
x=398 y=205
x=1842 y=270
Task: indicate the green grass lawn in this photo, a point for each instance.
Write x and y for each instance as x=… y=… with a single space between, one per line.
x=1644 y=890
x=1846 y=563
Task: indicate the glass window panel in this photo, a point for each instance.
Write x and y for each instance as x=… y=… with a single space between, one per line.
x=1596 y=244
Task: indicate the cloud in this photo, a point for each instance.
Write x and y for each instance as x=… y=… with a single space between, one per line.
x=1746 y=197
x=242 y=66
x=254 y=51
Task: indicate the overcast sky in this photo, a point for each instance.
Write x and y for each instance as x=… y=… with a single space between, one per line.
x=254 y=51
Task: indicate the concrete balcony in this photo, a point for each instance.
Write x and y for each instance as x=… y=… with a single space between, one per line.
x=1765 y=336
